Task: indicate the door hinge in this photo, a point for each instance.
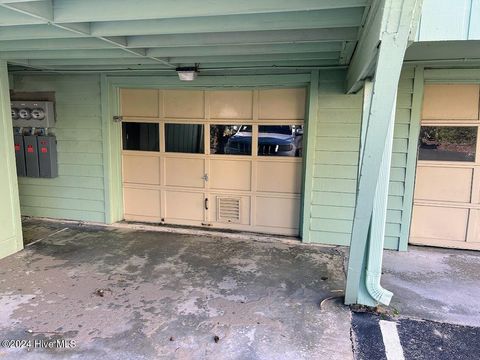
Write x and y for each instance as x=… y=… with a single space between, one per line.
x=117 y=118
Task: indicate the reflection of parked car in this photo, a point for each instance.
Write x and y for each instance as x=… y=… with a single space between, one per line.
x=277 y=140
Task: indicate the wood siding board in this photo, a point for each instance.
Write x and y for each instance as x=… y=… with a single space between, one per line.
x=61 y=203
x=78 y=192
x=61 y=192
x=69 y=214
x=336 y=157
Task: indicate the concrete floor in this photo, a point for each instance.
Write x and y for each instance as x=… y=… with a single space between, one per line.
x=168 y=296
x=131 y=294
x=435 y=284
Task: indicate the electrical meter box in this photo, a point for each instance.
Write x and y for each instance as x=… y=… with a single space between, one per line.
x=47 y=156
x=20 y=155
x=31 y=156
x=33 y=114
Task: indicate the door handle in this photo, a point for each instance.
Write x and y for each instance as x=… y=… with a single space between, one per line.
x=205 y=177
x=206 y=203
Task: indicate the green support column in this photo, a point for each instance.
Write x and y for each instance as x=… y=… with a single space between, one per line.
x=11 y=227
x=394 y=21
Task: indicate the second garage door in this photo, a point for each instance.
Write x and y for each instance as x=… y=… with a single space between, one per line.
x=446 y=208
x=227 y=159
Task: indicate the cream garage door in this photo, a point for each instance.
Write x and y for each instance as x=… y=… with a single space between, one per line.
x=224 y=159
x=446 y=208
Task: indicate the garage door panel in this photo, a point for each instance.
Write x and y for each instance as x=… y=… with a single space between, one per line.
x=184 y=205
x=230 y=174
x=275 y=176
x=184 y=104
x=231 y=104
x=141 y=203
x=281 y=104
x=179 y=181
x=141 y=169
x=443 y=184
x=139 y=102
x=184 y=172
x=277 y=212
x=442 y=223
x=451 y=102
x=474 y=228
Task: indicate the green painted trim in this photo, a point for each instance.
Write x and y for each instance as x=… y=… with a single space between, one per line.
x=111 y=153
x=411 y=168
x=309 y=157
x=220 y=81
x=452 y=75
x=111 y=131
x=11 y=239
x=106 y=150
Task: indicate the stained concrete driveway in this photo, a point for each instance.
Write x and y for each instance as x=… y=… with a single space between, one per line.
x=125 y=294
x=83 y=292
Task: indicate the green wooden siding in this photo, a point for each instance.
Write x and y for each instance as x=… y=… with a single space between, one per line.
x=78 y=192
x=336 y=161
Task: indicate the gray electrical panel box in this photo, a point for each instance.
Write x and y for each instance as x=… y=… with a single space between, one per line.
x=20 y=155
x=33 y=114
x=47 y=156
x=31 y=155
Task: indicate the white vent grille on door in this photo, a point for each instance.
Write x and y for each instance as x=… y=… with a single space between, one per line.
x=228 y=210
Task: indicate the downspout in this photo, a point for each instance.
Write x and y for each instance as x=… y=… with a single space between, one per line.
x=378 y=222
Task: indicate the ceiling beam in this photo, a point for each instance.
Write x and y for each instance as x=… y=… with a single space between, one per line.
x=16 y=1
x=299 y=63
x=57 y=44
x=248 y=58
x=54 y=63
x=244 y=49
x=332 y=18
x=115 y=10
x=212 y=39
x=308 y=58
x=13 y=14
x=61 y=54
x=94 y=61
x=40 y=31
x=244 y=38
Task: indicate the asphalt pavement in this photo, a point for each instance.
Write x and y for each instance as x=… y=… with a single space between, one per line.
x=378 y=337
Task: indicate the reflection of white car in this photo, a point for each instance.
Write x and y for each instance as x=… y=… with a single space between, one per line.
x=277 y=140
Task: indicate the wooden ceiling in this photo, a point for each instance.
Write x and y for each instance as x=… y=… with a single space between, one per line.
x=102 y=35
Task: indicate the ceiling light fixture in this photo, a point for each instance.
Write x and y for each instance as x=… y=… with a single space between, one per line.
x=187 y=73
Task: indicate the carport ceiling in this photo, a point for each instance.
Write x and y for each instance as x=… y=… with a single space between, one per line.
x=94 y=35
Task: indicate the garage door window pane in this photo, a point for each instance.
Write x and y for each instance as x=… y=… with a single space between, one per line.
x=184 y=138
x=447 y=143
x=231 y=139
x=280 y=140
x=140 y=136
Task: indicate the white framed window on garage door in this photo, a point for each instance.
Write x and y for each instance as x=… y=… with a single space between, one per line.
x=446 y=210
x=219 y=158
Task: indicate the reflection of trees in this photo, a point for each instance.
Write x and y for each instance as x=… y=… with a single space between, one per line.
x=449 y=138
x=448 y=135
x=219 y=135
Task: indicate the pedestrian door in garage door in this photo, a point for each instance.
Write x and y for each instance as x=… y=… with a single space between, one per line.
x=446 y=208
x=226 y=159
